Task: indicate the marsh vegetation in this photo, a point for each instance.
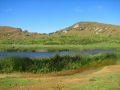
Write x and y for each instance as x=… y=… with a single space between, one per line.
x=56 y=63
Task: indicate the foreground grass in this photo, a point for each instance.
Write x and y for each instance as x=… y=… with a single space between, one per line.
x=10 y=82
x=107 y=78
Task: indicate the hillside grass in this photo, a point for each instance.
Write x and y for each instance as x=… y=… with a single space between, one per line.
x=49 y=48
x=73 y=38
x=62 y=42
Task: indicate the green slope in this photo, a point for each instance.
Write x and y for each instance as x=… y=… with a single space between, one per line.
x=81 y=34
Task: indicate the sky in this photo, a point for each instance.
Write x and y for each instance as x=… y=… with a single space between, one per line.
x=45 y=16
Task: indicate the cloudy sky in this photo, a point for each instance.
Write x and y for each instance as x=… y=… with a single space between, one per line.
x=46 y=16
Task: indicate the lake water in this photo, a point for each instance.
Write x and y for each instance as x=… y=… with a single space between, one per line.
x=48 y=54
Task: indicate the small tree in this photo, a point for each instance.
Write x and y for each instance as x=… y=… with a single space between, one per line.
x=19 y=29
x=25 y=30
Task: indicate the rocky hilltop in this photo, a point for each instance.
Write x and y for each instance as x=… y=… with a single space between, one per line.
x=96 y=28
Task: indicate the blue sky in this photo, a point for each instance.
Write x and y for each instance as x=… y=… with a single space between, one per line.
x=46 y=16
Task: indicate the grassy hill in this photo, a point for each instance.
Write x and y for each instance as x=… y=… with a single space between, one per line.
x=79 y=32
x=92 y=34
x=91 y=28
x=11 y=35
x=78 y=28
x=7 y=32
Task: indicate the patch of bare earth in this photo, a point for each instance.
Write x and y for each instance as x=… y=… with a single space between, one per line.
x=105 y=70
x=76 y=80
x=51 y=82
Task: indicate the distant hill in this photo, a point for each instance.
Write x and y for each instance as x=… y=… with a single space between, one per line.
x=16 y=33
x=79 y=33
x=91 y=28
x=9 y=29
x=78 y=28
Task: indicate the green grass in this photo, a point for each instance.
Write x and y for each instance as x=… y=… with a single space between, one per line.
x=9 y=82
x=10 y=64
x=46 y=48
x=60 y=42
x=63 y=39
x=56 y=63
x=14 y=81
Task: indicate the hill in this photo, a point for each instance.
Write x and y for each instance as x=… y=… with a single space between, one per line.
x=78 y=34
x=12 y=32
x=85 y=28
x=9 y=29
x=80 y=27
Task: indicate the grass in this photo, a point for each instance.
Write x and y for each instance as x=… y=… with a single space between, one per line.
x=56 y=63
x=9 y=64
x=100 y=79
x=60 y=42
x=46 y=48
x=14 y=81
x=10 y=82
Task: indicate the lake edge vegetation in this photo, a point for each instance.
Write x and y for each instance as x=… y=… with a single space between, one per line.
x=56 y=63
